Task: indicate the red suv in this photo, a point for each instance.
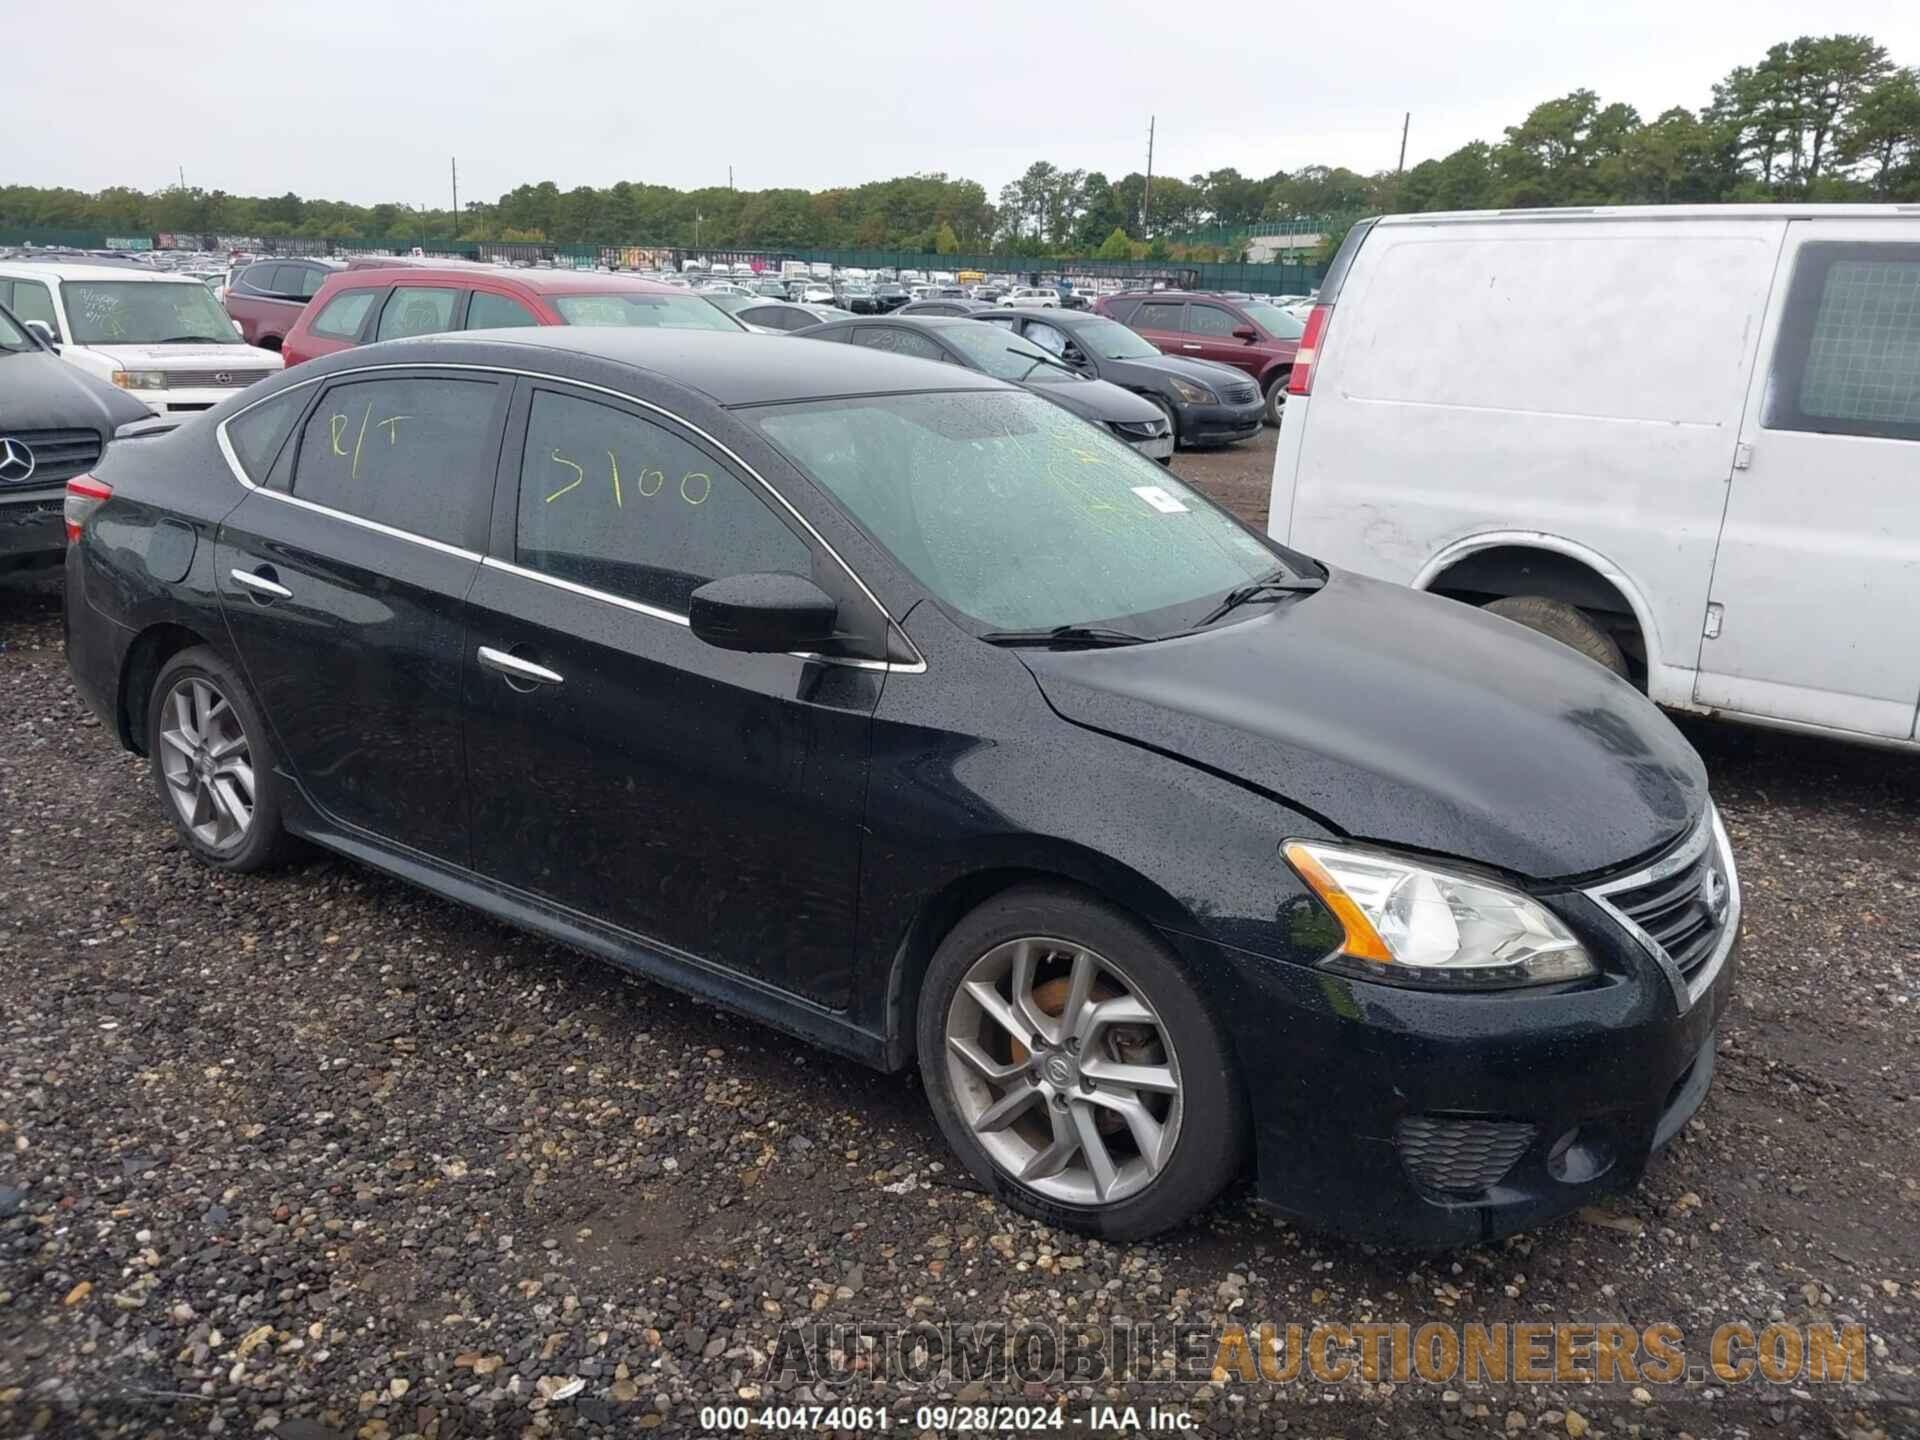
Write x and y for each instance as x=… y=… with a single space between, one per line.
x=358 y=307
x=1246 y=333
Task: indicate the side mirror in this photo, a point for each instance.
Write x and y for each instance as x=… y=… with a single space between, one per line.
x=44 y=331
x=1245 y=332
x=763 y=614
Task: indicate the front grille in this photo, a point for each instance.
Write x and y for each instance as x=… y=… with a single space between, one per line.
x=1238 y=394
x=57 y=454
x=1685 y=910
x=212 y=379
x=1462 y=1156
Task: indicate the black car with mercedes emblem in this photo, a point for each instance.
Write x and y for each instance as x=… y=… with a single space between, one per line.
x=55 y=422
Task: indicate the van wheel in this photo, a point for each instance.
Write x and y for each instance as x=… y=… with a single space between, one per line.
x=1277 y=398
x=1074 y=1068
x=1566 y=623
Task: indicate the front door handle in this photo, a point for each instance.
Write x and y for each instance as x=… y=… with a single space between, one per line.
x=514 y=668
x=263 y=585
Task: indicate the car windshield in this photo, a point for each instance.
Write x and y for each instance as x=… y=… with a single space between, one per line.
x=1272 y=319
x=145 y=312
x=1003 y=355
x=1020 y=516
x=663 y=312
x=1111 y=340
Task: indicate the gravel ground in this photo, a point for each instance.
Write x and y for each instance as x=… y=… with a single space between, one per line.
x=314 y=1154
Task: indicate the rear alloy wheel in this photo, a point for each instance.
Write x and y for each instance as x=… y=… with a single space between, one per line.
x=212 y=764
x=1074 y=1069
x=1277 y=398
x=1568 y=624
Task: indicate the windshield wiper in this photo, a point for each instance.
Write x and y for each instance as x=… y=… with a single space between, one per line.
x=1271 y=588
x=192 y=340
x=1088 y=635
x=1043 y=360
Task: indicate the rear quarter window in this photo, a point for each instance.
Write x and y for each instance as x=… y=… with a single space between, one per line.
x=1627 y=323
x=342 y=316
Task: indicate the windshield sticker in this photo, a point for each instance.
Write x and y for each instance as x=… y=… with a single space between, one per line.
x=1159 y=499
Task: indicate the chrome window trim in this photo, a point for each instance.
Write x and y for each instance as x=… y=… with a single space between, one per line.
x=1686 y=994
x=917 y=666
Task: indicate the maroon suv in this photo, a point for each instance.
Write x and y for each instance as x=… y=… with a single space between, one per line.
x=1248 y=334
x=267 y=297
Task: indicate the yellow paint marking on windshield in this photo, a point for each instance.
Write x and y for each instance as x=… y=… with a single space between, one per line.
x=361 y=440
x=615 y=463
x=337 y=426
x=392 y=435
x=579 y=474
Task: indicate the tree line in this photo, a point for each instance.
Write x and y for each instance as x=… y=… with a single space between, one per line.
x=1826 y=118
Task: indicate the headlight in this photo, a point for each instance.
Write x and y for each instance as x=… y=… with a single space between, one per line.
x=1194 y=394
x=140 y=379
x=1408 y=923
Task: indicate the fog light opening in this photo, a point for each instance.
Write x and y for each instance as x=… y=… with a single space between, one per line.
x=1578 y=1156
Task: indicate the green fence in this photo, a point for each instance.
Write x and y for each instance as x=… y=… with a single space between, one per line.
x=1258 y=279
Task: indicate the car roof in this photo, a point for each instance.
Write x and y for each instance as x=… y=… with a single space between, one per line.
x=737 y=368
x=541 y=282
x=40 y=269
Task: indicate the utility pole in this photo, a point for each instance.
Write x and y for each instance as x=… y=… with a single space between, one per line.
x=729 y=177
x=1146 y=191
x=454 y=168
x=1405 y=125
x=183 y=177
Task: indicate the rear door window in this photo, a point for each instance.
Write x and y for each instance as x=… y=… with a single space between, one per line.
x=415 y=452
x=416 y=310
x=898 y=341
x=1156 y=315
x=1847 y=361
x=342 y=316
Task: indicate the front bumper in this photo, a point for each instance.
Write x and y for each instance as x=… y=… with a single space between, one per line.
x=1410 y=1118
x=32 y=531
x=1159 y=448
x=1220 y=424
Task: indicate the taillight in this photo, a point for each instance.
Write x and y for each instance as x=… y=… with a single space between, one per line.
x=1300 y=381
x=84 y=494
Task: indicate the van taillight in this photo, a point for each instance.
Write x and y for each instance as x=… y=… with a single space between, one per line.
x=84 y=494
x=1300 y=380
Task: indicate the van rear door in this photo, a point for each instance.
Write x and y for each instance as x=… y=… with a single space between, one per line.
x=1817 y=577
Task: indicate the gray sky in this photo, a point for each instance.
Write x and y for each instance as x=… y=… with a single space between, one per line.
x=365 y=101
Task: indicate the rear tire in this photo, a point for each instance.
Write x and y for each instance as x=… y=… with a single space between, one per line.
x=1568 y=624
x=1074 y=1068
x=213 y=764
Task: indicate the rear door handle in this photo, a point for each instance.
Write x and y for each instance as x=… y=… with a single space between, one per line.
x=263 y=585
x=1189 y=347
x=514 y=668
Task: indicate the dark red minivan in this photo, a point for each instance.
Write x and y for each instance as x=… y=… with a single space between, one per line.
x=1247 y=333
x=358 y=307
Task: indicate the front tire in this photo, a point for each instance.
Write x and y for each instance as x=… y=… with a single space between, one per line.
x=1568 y=624
x=1277 y=399
x=213 y=764
x=1173 y=420
x=1075 y=1070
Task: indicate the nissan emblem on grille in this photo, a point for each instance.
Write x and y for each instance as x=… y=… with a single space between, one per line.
x=16 y=461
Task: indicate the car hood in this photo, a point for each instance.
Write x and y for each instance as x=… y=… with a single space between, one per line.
x=1096 y=400
x=1405 y=719
x=40 y=391
x=189 y=357
x=1204 y=372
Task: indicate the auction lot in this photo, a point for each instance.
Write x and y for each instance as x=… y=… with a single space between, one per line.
x=315 y=1147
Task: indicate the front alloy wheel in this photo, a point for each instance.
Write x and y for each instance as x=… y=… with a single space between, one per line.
x=207 y=763
x=1064 y=1071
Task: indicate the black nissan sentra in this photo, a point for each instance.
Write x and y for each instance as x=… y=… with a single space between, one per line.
x=901 y=709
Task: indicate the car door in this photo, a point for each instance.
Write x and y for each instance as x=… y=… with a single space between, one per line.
x=1817 y=575
x=707 y=802
x=1163 y=324
x=343 y=579
x=1209 y=336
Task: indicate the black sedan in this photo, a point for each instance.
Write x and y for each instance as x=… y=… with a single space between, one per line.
x=892 y=705
x=55 y=422
x=993 y=352
x=1190 y=393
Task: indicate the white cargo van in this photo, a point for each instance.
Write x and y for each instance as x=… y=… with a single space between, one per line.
x=1685 y=440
